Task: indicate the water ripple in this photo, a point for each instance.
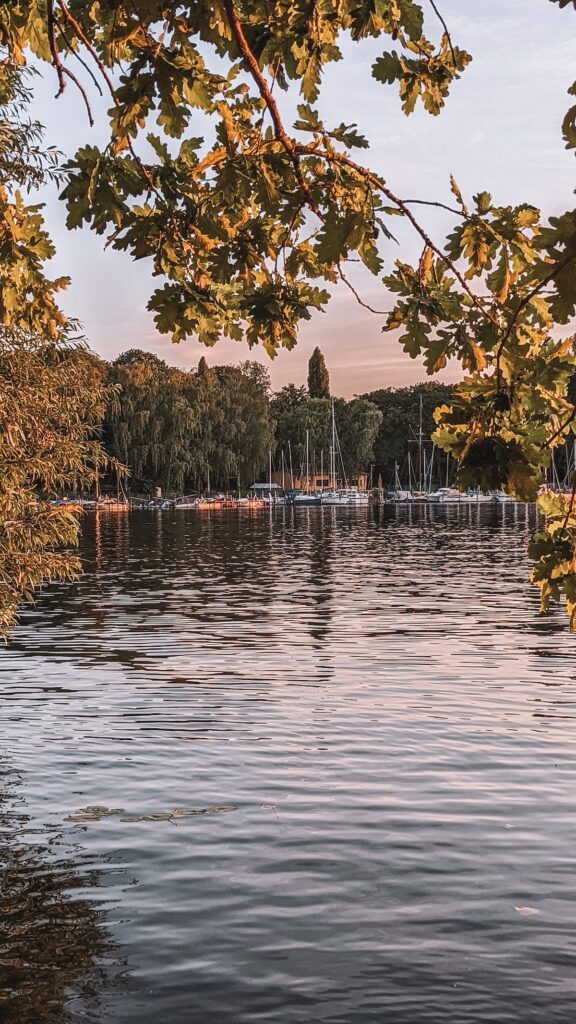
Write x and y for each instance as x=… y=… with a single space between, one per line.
x=393 y=724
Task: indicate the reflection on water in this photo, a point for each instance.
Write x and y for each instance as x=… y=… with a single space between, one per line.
x=333 y=749
x=55 y=954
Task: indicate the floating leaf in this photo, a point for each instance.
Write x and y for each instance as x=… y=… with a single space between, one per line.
x=94 y=813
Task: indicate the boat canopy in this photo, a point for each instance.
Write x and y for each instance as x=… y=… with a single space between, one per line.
x=265 y=487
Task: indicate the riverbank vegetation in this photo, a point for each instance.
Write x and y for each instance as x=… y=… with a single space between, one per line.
x=53 y=393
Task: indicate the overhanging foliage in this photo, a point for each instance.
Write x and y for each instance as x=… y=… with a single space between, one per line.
x=248 y=231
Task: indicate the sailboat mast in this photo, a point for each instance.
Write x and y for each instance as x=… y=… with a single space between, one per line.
x=307 y=461
x=333 y=466
x=554 y=473
x=321 y=469
x=431 y=468
x=290 y=458
x=270 y=475
x=420 y=488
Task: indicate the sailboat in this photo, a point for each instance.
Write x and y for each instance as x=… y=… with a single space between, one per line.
x=567 y=482
x=106 y=503
x=398 y=495
x=307 y=497
x=271 y=494
x=420 y=492
x=348 y=496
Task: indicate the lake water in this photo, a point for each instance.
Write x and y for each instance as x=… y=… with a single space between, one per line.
x=333 y=759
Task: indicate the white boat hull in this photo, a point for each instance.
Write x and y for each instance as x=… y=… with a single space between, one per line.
x=350 y=499
x=451 y=496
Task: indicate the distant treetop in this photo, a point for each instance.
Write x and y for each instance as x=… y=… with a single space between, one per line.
x=318 y=376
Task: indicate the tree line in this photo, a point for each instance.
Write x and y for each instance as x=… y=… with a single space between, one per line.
x=216 y=427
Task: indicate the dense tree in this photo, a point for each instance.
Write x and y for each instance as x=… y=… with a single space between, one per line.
x=248 y=227
x=357 y=424
x=283 y=408
x=150 y=424
x=216 y=427
x=52 y=393
x=182 y=430
x=241 y=429
x=400 y=427
x=318 y=377
x=313 y=418
x=359 y=421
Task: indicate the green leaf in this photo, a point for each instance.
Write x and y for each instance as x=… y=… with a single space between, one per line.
x=483 y=202
x=348 y=135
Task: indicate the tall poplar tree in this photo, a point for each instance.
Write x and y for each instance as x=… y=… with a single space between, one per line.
x=318 y=376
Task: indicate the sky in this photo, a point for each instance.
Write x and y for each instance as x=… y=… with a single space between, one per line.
x=500 y=132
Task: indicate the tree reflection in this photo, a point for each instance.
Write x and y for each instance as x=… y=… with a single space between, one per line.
x=55 y=953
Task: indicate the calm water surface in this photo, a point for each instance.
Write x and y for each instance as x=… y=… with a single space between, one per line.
x=299 y=767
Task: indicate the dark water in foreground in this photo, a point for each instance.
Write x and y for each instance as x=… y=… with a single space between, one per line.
x=380 y=733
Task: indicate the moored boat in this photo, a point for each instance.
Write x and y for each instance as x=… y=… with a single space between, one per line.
x=250 y=502
x=452 y=496
x=187 y=501
x=302 y=499
x=399 y=496
x=110 y=505
x=211 y=504
x=267 y=494
x=350 y=497
x=446 y=496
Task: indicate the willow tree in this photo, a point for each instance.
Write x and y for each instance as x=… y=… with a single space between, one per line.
x=52 y=393
x=150 y=423
x=250 y=229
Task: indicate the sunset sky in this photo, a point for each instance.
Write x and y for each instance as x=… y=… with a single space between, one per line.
x=500 y=131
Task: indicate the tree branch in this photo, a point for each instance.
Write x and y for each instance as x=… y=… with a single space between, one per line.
x=561 y=428
x=75 y=24
x=445 y=27
x=359 y=300
x=557 y=268
x=74 y=53
x=82 y=92
x=441 y=206
x=56 y=61
x=380 y=185
x=264 y=90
